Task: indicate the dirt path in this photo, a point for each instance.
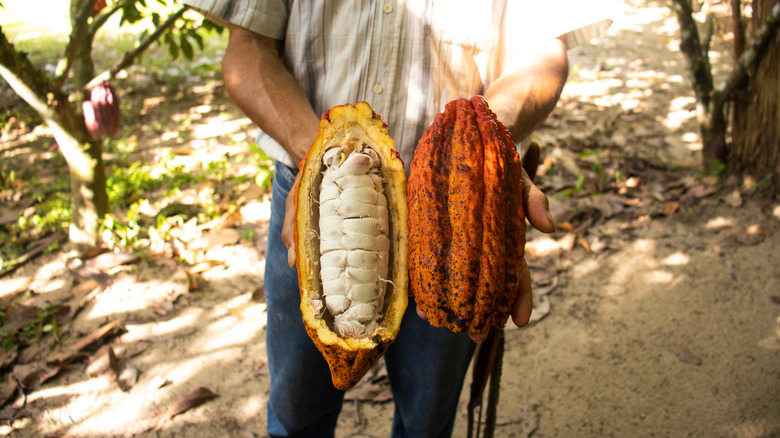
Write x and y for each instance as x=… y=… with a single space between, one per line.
x=657 y=299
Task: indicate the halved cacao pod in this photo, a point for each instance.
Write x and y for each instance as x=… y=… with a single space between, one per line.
x=466 y=219
x=351 y=241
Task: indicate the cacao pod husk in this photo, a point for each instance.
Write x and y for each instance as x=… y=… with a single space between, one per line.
x=99 y=5
x=466 y=219
x=351 y=241
x=89 y=120
x=104 y=118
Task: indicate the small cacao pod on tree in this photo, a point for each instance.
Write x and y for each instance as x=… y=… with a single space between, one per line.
x=89 y=120
x=466 y=219
x=351 y=241
x=99 y=5
x=102 y=114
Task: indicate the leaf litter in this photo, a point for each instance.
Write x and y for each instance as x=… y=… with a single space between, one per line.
x=606 y=170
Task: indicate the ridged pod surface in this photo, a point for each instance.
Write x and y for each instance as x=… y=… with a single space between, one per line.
x=351 y=241
x=466 y=220
x=102 y=114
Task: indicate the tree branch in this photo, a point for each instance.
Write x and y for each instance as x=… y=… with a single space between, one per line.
x=99 y=20
x=709 y=30
x=750 y=56
x=691 y=46
x=69 y=145
x=79 y=18
x=129 y=57
x=739 y=29
x=19 y=64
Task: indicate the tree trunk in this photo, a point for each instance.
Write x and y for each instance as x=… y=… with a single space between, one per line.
x=755 y=148
x=89 y=200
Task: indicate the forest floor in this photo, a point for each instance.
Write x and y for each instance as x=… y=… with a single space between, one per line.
x=657 y=300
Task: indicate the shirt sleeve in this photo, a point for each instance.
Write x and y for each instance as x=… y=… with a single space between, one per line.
x=266 y=17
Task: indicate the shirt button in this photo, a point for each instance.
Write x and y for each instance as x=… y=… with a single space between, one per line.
x=388 y=8
x=378 y=89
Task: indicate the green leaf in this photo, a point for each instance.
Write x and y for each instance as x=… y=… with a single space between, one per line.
x=580 y=182
x=186 y=47
x=197 y=37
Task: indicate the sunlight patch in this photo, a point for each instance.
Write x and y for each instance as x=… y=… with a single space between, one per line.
x=13 y=285
x=251 y=407
x=219 y=126
x=256 y=211
x=719 y=223
x=188 y=318
x=124 y=295
x=657 y=277
x=585 y=267
x=677 y=259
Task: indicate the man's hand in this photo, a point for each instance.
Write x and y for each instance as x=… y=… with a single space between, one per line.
x=258 y=82
x=289 y=223
x=537 y=210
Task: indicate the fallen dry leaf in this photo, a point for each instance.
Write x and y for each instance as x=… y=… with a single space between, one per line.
x=109 y=260
x=8 y=357
x=546 y=246
x=128 y=378
x=685 y=355
x=215 y=239
x=193 y=282
x=90 y=340
x=191 y=400
x=564 y=226
x=8 y=391
x=84 y=271
x=31 y=376
x=583 y=243
x=93 y=252
x=540 y=310
x=702 y=190
x=103 y=363
x=670 y=207
x=258 y=295
x=749 y=236
x=733 y=199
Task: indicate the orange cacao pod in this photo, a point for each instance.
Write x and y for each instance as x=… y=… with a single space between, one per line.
x=466 y=220
x=351 y=241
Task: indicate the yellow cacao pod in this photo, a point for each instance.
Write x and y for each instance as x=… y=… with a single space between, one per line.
x=351 y=241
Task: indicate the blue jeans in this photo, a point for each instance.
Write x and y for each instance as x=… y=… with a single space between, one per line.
x=426 y=365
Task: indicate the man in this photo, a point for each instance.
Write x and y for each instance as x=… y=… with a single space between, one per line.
x=289 y=61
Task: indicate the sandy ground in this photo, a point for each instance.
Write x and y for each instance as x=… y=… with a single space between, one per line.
x=657 y=306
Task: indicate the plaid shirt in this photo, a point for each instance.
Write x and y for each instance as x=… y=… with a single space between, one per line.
x=406 y=58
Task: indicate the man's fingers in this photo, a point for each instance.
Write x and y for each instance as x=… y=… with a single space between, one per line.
x=289 y=223
x=421 y=313
x=530 y=160
x=536 y=206
x=479 y=337
x=521 y=310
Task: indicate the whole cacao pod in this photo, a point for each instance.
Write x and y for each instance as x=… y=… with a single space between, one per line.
x=351 y=241
x=89 y=120
x=466 y=219
x=102 y=114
